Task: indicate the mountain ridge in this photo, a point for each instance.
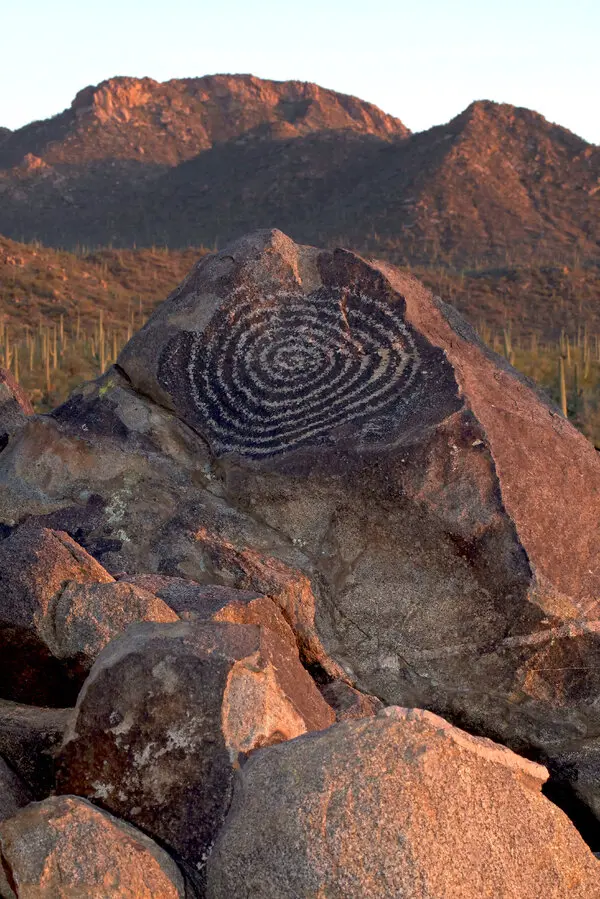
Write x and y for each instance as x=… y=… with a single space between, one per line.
x=200 y=161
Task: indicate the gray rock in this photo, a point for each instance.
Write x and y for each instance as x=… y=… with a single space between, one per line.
x=28 y=737
x=164 y=715
x=399 y=805
x=13 y=792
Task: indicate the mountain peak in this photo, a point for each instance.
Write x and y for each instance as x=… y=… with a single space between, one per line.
x=516 y=121
x=165 y=123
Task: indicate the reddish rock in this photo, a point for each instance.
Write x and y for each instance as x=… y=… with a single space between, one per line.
x=14 y=406
x=289 y=587
x=65 y=848
x=164 y=715
x=58 y=609
x=85 y=617
x=28 y=738
x=400 y=805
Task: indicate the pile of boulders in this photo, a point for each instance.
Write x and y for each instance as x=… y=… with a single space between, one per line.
x=305 y=506
x=201 y=756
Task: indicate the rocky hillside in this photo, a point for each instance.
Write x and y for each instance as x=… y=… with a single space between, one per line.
x=286 y=577
x=198 y=161
x=166 y=123
x=38 y=283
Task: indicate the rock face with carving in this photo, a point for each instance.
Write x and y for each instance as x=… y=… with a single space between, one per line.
x=419 y=476
x=318 y=431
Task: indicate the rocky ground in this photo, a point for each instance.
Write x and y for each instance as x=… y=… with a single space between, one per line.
x=271 y=588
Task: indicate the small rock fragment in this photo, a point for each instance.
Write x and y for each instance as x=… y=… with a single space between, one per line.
x=349 y=703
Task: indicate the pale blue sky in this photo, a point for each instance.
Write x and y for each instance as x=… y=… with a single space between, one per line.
x=423 y=61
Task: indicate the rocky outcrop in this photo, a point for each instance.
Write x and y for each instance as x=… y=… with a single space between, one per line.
x=28 y=738
x=452 y=815
x=418 y=474
x=13 y=792
x=320 y=430
x=58 y=609
x=147 y=122
x=66 y=848
x=165 y=714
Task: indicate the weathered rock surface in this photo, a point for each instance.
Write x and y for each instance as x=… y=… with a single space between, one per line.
x=321 y=430
x=35 y=566
x=87 y=616
x=58 y=609
x=401 y=805
x=163 y=716
x=211 y=602
x=13 y=792
x=14 y=407
x=28 y=738
x=349 y=703
x=65 y=848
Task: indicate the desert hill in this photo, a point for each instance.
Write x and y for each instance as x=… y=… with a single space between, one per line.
x=41 y=284
x=199 y=161
x=166 y=123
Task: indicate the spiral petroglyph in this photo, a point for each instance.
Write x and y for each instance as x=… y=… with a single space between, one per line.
x=270 y=375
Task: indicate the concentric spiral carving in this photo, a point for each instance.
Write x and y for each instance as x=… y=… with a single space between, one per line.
x=270 y=375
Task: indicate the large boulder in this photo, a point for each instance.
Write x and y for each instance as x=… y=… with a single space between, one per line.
x=165 y=713
x=64 y=848
x=319 y=429
x=29 y=737
x=349 y=703
x=58 y=609
x=401 y=805
x=421 y=477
